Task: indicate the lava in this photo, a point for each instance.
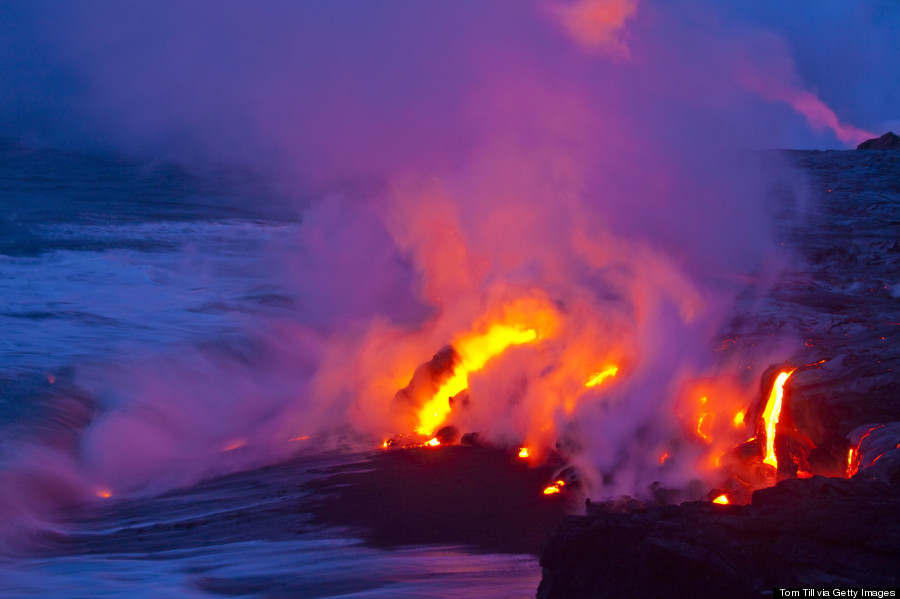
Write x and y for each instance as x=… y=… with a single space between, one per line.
x=854 y=455
x=474 y=352
x=705 y=417
x=523 y=321
x=721 y=499
x=556 y=487
x=770 y=417
x=852 y=464
x=601 y=376
x=523 y=453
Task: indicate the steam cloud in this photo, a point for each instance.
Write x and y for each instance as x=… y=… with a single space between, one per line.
x=465 y=155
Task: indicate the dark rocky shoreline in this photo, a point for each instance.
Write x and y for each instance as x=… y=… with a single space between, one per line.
x=480 y=497
x=808 y=533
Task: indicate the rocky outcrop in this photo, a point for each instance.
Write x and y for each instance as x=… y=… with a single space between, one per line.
x=888 y=141
x=801 y=533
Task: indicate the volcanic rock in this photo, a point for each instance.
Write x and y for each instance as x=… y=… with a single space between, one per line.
x=447 y=435
x=888 y=141
x=878 y=451
x=471 y=439
x=801 y=533
x=838 y=300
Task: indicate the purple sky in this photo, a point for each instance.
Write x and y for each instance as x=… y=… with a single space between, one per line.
x=328 y=88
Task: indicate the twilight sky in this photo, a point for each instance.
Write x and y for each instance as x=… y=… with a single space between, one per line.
x=331 y=89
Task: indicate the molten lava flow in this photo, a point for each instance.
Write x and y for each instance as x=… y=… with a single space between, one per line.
x=739 y=419
x=556 y=487
x=721 y=499
x=474 y=352
x=433 y=442
x=523 y=452
x=705 y=417
x=771 y=414
x=523 y=321
x=601 y=376
x=854 y=456
x=852 y=464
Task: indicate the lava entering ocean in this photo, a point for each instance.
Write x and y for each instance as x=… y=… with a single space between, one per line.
x=439 y=397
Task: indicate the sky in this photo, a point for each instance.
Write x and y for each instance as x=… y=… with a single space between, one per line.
x=326 y=90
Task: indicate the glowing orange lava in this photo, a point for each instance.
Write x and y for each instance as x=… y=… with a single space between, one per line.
x=851 y=463
x=739 y=419
x=523 y=321
x=664 y=457
x=474 y=352
x=707 y=418
x=771 y=414
x=433 y=442
x=556 y=487
x=854 y=456
x=721 y=499
x=523 y=452
x=601 y=376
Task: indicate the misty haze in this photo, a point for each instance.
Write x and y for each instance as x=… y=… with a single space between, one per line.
x=555 y=298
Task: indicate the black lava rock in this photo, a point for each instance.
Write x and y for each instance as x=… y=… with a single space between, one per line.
x=801 y=533
x=888 y=141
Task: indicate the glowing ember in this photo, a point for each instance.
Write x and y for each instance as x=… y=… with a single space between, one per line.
x=854 y=455
x=385 y=444
x=721 y=499
x=601 y=376
x=707 y=418
x=474 y=352
x=771 y=414
x=556 y=487
x=433 y=442
x=852 y=465
x=523 y=452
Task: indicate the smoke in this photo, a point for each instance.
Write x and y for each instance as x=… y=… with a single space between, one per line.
x=598 y=25
x=584 y=157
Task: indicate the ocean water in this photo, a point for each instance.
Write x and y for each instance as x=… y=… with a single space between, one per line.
x=134 y=297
